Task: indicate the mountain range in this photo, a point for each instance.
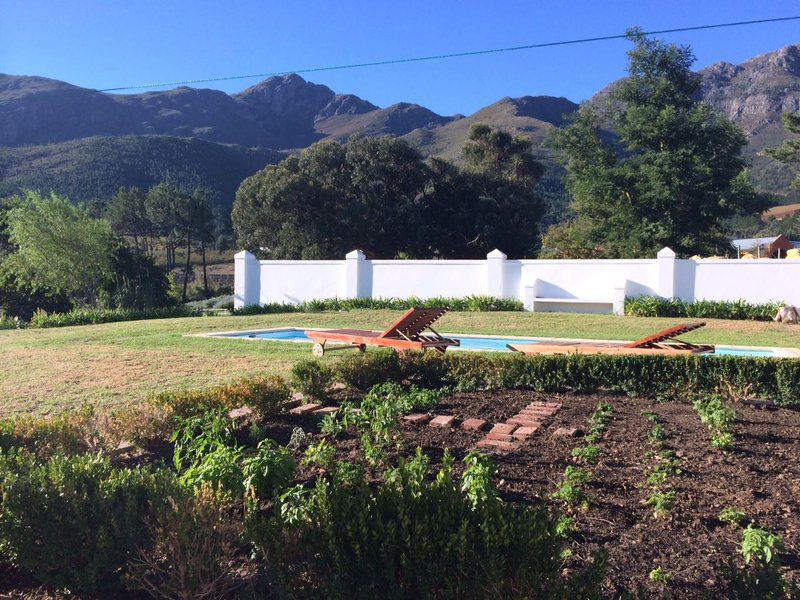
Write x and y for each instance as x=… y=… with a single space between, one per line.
x=85 y=143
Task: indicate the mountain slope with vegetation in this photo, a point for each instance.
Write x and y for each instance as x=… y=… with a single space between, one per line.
x=96 y=167
x=83 y=142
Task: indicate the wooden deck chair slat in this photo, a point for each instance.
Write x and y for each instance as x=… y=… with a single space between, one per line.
x=668 y=334
x=414 y=322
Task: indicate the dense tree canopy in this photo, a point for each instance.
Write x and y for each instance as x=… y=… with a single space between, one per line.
x=59 y=246
x=789 y=152
x=379 y=195
x=54 y=255
x=672 y=174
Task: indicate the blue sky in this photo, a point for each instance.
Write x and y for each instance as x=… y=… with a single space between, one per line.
x=105 y=43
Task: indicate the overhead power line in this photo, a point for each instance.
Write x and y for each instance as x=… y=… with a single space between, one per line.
x=446 y=56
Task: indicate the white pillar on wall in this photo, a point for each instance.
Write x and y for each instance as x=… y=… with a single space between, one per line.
x=666 y=273
x=496 y=273
x=246 y=279
x=355 y=264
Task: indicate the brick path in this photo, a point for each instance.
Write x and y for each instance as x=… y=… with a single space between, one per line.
x=507 y=437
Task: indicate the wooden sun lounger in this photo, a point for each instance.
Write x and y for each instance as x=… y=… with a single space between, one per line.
x=661 y=343
x=412 y=331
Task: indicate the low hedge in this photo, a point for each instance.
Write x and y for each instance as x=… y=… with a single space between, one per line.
x=466 y=304
x=75 y=522
x=96 y=316
x=266 y=394
x=652 y=376
x=652 y=306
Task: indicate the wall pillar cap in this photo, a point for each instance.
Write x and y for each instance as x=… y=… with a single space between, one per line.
x=666 y=253
x=244 y=254
x=355 y=254
x=496 y=254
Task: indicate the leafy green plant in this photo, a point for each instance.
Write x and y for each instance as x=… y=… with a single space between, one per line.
x=197 y=436
x=331 y=426
x=269 y=470
x=759 y=545
x=220 y=467
x=477 y=479
x=723 y=441
x=298 y=440
x=731 y=516
x=597 y=422
x=378 y=420
x=320 y=454
x=656 y=433
x=416 y=537
x=762 y=577
x=650 y=415
x=313 y=378
x=564 y=526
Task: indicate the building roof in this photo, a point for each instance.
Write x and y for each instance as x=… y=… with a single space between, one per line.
x=751 y=243
x=779 y=212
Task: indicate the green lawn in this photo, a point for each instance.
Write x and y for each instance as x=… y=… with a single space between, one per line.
x=48 y=370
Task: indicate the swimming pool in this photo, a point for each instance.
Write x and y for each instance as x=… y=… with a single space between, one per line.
x=468 y=342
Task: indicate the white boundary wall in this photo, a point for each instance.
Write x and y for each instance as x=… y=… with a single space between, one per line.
x=594 y=285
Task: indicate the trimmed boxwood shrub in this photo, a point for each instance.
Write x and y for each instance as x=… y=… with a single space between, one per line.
x=313 y=378
x=356 y=372
x=264 y=394
x=654 y=376
x=74 y=522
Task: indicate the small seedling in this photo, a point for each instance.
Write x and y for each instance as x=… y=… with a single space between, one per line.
x=659 y=575
x=662 y=502
x=650 y=416
x=564 y=526
x=656 y=433
x=722 y=441
x=731 y=516
x=587 y=454
x=570 y=490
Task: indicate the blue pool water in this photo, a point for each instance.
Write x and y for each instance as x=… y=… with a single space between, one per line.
x=467 y=342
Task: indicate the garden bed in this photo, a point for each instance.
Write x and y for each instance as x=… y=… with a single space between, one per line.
x=634 y=493
x=761 y=477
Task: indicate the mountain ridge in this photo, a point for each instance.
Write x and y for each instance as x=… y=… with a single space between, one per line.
x=38 y=116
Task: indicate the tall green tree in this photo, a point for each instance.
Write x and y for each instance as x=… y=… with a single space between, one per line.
x=380 y=195
x=58 y=246
x=127 y=214
x=789 y=152
x=164 y=204
x=672 y=173
x=181 y=217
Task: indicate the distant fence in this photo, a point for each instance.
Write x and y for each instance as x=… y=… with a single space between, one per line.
x=586 y=285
